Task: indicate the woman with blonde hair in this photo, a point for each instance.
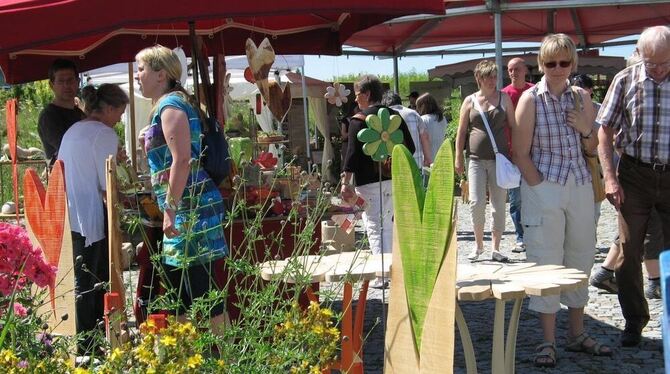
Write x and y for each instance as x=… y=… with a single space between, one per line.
x=192 y=206
x=554 y=129
x=474 y=138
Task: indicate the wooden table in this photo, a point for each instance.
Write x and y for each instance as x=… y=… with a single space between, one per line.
x=474 y=283
x=348 y=268
x=507 y=283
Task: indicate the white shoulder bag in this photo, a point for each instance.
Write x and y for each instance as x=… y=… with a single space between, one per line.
x=507 y=174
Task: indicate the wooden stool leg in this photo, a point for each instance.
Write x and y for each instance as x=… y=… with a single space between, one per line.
x=357 y=339
x=311 y=295
x=347 y=358
x=510 y=345
x=498 y=353
x=466 y=340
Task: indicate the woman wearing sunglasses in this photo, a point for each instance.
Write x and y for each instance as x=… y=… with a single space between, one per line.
x=553 y=126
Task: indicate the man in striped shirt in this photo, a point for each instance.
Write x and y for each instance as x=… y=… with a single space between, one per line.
x=637 y=110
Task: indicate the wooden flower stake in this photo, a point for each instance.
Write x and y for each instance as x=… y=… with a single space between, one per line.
x=115 y=310
x=422 y=306
x=49 y=228
x=12 y=137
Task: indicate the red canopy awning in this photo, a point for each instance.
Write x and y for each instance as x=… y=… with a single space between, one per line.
x=588 y=22
x=103 y=32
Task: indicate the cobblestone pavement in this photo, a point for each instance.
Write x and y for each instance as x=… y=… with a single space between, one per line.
x=603 y=320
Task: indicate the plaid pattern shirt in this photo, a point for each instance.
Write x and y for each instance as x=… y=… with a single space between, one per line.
x=556 y=149
x=638 y=110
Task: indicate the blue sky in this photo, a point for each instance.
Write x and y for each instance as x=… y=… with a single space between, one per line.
x=326 y=67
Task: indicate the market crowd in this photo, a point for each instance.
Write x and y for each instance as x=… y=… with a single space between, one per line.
x=551 y=130
x=571 y=153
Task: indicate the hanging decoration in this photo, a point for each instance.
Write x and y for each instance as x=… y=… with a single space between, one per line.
x=279 y=101
x=260 y=60
x=184 y=65
x=248 y=75
x=226 y=89
x=382 y=133
x=337 y=94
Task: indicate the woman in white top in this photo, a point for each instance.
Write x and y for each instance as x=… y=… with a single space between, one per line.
x=432 y=116
x=85 y=147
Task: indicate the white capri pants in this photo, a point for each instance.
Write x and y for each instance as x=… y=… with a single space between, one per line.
x=482 y=174
x=373 y=225
x=559 y=229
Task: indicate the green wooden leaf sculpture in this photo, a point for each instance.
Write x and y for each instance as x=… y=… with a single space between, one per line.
x=424 y=225
x=382 y=133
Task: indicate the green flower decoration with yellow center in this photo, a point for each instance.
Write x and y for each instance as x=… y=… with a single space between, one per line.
x=381 y=135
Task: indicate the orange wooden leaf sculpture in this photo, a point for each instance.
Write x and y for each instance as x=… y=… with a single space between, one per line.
x=12 y=135
x=45 y=213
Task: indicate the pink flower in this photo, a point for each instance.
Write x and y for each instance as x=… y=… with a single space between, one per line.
x=23 y=263
x=20 y=310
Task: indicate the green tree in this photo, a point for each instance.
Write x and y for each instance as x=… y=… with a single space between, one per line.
x=403 y=79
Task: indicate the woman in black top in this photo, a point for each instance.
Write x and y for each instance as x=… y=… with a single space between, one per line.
x=361 y=173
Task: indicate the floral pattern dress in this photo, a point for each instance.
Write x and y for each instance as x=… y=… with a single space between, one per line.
x=200 y=214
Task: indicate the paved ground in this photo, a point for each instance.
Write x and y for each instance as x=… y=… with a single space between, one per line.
x=603 y=320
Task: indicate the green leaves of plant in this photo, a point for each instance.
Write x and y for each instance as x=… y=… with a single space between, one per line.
x=424 y=225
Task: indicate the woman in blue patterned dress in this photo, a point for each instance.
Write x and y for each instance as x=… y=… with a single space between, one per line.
x=192 y=206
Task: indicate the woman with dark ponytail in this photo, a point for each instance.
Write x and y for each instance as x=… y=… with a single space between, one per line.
x=84 y=149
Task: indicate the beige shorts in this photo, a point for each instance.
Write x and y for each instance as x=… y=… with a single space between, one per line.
x=559 y=229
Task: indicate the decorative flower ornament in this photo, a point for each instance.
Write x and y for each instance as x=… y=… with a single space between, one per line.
x=337 y=94
x=381 y=135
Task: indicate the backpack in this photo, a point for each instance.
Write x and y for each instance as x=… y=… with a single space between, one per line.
x=215 y=157
x=386 y=164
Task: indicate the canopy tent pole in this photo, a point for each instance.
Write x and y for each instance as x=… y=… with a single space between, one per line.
x=497 y=23
x=131 y=94
x=396 y=82
x=304 y=111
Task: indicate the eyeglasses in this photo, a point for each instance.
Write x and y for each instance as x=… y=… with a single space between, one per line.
x=66 y=82
x=653 y=65
x=552 y=64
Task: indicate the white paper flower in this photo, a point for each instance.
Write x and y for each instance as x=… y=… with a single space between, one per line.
x=337 y=94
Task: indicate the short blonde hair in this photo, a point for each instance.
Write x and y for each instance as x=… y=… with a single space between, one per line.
x=554 y=45
x=485 y=68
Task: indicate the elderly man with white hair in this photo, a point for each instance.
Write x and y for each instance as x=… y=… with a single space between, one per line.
x=637 y=110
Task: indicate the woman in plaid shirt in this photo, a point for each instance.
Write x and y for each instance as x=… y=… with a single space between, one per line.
x=553 y=125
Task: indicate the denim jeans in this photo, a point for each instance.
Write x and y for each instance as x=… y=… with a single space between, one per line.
x=514 y=195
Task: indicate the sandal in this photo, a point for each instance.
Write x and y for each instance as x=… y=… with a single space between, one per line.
x=545 y=355
x=578 y=344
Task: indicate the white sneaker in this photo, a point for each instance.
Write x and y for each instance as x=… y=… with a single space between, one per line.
x=475 y=254
x=379 y=284
x=519 y=247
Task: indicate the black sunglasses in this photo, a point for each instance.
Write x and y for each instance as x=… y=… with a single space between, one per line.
x=552 y=64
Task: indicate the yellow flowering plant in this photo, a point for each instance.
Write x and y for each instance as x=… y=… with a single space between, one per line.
x=173 y=349
x=308 y=338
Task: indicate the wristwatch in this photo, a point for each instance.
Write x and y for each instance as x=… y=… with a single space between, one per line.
x=170 y=204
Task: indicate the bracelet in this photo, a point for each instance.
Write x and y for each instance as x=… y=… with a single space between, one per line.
x=587 y=136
